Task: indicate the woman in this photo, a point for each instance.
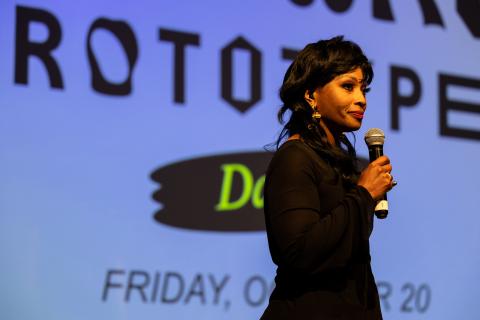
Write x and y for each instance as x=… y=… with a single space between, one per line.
x=318 y=208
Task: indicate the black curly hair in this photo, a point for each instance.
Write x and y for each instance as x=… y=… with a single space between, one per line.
x=315 y=66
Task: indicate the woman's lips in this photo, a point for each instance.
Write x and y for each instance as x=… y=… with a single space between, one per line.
x=358 y=115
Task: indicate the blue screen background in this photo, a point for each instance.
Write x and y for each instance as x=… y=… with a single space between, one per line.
x=75 y=191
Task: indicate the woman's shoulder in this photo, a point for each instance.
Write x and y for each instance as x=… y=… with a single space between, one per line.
x=294 y=148
x=295 y=154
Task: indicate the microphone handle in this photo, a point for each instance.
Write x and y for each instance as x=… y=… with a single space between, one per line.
x=381 y=209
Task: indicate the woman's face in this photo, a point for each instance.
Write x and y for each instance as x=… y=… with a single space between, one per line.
x=342 y=102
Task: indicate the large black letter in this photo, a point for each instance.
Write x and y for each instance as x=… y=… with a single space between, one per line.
x=125 y=35
x=302 y=3
x=339 y=5
x=180 y=40
x=431 y=15
x=289 y=54
x=397 y=100
x=446 y=105
x=469 y=10
x=255 y=74
x=430 y=12
x=382 y=10
x=24 y=48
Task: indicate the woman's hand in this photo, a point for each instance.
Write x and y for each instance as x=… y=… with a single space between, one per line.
x=376 y=178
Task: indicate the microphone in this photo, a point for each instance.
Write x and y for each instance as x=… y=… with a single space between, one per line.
x=374 y=139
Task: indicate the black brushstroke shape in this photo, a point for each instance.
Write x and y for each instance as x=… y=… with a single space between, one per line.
x=190 y=190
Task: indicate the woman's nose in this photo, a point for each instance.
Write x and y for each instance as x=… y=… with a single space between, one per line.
x=360 y=99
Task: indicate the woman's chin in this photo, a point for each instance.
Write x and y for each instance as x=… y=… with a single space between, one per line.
x=353 y=126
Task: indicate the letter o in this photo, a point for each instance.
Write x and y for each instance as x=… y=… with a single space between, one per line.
x=262 y=295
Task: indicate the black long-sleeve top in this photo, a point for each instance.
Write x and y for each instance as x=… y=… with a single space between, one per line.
x=318 y=232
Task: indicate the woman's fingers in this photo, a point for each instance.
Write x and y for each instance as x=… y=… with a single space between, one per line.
x=387 y=168
x=381 y=161
x=377 y=177
x=382 y=164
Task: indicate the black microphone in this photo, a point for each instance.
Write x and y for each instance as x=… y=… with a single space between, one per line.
x=374 y=139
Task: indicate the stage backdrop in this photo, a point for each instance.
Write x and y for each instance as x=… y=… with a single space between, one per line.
x=132 y=139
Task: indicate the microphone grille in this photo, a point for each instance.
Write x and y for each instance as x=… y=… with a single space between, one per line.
x=374 y=137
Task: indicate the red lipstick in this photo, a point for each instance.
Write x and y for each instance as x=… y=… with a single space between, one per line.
x=358 y=115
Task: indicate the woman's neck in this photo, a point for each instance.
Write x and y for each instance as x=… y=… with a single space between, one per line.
x=331 y=136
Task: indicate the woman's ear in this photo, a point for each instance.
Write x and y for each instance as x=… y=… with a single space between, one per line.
x=310 y=98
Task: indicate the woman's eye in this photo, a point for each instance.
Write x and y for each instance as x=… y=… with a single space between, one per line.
x=347 y=86
x=365 y=90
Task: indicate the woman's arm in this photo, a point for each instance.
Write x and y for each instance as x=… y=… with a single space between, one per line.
x=304 y=240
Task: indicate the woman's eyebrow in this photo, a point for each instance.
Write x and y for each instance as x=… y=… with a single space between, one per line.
x=352 y=78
